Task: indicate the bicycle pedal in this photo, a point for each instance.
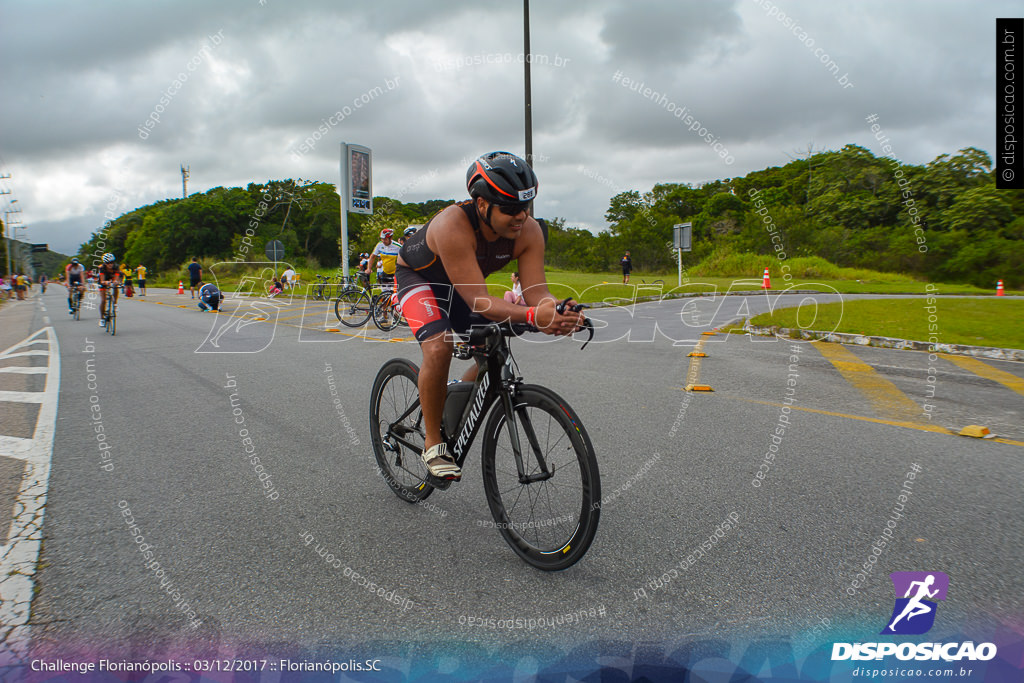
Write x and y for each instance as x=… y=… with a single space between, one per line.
x=439 y=484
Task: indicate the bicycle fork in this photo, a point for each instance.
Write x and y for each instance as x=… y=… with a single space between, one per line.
x=509 y=388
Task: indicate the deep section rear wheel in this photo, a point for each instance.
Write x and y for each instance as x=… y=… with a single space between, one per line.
x=552 y=522
x=352 y=307
x=398 y=443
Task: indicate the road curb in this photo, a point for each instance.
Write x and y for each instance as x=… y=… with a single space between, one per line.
x=990 y=352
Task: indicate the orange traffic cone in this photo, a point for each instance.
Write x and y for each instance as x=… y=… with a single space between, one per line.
x=999 y=288
x=766 y=283
x=181 y=287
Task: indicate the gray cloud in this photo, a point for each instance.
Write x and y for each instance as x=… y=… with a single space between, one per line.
x=80 y=80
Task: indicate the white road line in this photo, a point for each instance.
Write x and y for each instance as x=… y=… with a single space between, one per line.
x=25 y=353
x=22 y=396
x=46 y=318
x=20 y=555
x=25 y=370
x=14 y=446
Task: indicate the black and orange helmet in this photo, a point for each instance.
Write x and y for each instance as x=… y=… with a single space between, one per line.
x=501 y=178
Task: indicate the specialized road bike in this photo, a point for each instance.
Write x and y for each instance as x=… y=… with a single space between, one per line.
x=540 y=473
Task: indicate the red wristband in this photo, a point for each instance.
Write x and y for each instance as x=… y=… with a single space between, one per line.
x=531 y=314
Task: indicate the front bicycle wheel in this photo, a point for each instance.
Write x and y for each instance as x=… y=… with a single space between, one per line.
x=551 y=521
x=111 y=315
x=396 y=430
x=352 y=307
x=78 y=304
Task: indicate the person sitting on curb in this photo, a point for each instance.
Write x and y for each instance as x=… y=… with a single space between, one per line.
x=516 y=295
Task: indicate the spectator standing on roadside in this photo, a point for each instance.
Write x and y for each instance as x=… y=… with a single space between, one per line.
x=126 y=276
x=627 y=267
x=141 y=271
x=195 y=276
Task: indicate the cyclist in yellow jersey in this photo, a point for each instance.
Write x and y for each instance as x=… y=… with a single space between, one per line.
x=387 y=249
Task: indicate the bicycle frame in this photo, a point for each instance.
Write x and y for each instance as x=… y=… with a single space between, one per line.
x=495 y=382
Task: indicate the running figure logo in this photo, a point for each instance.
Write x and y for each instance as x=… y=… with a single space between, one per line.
x=914 y=612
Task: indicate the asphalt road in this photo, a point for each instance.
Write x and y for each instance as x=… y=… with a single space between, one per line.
x=674 y=466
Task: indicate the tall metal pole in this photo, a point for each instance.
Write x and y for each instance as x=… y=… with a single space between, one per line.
x=526 y=67
x=345 y=185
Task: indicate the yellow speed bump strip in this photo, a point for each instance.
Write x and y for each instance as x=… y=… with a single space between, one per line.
x=886 y=399
x=985 y=370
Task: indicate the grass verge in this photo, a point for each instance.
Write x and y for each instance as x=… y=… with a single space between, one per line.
x=976 y=322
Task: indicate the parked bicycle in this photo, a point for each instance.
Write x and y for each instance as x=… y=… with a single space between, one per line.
x=353 y=305
x=322 y=288
x=540 y=473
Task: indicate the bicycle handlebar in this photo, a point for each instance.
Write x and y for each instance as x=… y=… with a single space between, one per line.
x=480 y=331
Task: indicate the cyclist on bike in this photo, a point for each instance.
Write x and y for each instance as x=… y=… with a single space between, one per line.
x=409 y=232
x=441 y=271
x=387 y=250
x=74 y=279
x=109 y=277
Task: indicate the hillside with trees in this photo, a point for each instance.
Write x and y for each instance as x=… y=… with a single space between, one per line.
x=941 y=221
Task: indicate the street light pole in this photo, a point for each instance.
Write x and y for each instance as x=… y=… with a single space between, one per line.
x=7 y=232
x=526 y=68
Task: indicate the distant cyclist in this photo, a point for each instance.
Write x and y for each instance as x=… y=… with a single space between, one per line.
x=109 y=277
x=74 y=279
x=456 y=250
x=387 y=250
x=409 y=232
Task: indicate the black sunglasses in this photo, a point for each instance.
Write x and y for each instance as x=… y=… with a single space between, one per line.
x=513 y=209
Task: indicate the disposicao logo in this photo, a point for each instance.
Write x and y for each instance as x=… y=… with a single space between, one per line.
x=914 y=614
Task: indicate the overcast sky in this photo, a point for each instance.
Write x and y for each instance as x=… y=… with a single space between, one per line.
x=430 y=85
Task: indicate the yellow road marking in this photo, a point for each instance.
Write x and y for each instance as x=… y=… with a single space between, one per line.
x=885 y=397
x=985 y=370
x=920 y=426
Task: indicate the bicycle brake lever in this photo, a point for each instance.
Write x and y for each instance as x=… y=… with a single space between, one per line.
x=590 y=328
